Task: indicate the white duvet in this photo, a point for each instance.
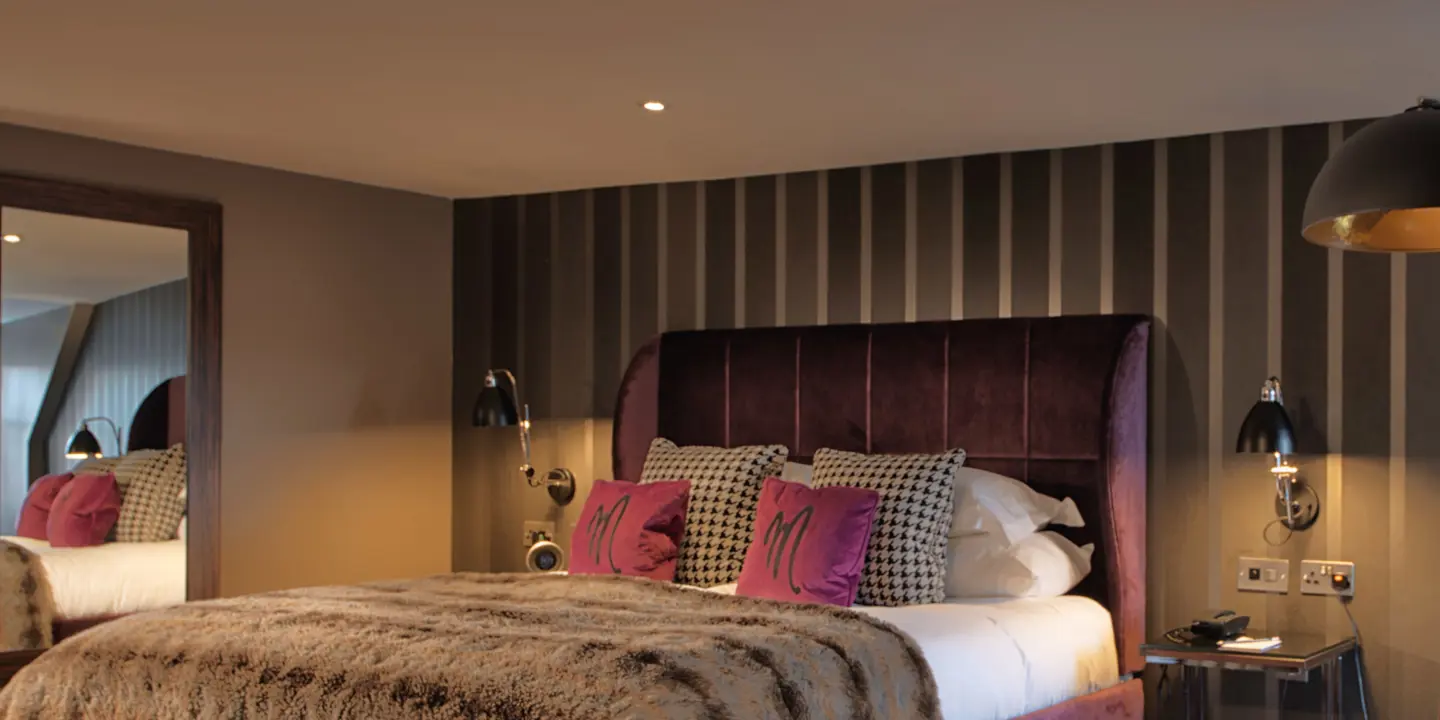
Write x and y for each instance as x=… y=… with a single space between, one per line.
x=1005 y=657
x=112 y=578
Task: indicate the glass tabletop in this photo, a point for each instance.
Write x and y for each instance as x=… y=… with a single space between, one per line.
x=1293 y=646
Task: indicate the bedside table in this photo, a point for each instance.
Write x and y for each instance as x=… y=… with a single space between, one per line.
x=1298 y=656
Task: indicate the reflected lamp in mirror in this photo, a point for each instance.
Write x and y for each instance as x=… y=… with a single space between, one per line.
x=84 y=445
x=498 y=406
x=1267 y=429
x=1380 y=191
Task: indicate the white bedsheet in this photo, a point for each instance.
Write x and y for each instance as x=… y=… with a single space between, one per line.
x=1004 y=657
x=111 y=578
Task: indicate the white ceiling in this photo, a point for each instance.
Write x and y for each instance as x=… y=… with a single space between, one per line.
x=476 y=97
x=62 y=260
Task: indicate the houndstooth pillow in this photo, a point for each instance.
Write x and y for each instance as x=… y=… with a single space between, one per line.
x=725 y=486
x=152 y=507
x=905 y=562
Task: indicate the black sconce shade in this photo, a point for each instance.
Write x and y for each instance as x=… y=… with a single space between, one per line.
x=495 y=407
x=83 y=444
x=1381 y=190
x=1266 y=429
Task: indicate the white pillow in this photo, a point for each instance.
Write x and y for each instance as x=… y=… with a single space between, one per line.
x=1042 y=565
x=994 y=504
x=797 y=473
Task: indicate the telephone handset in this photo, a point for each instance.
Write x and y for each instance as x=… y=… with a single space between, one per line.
x=1209 y=631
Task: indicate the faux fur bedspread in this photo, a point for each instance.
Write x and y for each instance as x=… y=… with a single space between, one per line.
x=497 y=647
x=27 y=607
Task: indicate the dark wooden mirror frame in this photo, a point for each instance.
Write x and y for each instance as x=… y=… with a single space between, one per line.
x=202 y=221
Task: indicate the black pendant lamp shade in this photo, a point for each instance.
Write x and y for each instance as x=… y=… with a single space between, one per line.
x=495 y=407
x=1267 y=427
x=83 y=444
x=1381 y=190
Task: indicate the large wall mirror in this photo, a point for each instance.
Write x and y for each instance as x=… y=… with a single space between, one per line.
x=109 y=448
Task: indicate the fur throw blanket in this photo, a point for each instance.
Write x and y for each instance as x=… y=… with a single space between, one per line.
x=27 y=608
x=494 y=647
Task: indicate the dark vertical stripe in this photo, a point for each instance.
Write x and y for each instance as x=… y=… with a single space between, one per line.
x=982 y=236
x=1135 y=228
x=760 y=251
x=1030 y=246
x=571 y=370
x=1188 y=371
x=887 y=243
x=1413 y=673
x=505 y=284
x=644 y=273
x=680 y=199
x=720 y=254
x=607 y=300
x=1303 y=301
x=472 y=281
x=844 y=246
x=932 y=219
x=1080 y=225
x=536 y=331
x=801 y=256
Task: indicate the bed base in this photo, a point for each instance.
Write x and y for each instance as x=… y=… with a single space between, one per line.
x=1126 y=700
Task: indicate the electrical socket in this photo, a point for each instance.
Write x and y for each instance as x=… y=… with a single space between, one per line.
x=1316 y=577
x=536 y=530
x=1264 y=575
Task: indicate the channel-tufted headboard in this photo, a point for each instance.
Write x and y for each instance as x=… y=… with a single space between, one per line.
x=1058 y=402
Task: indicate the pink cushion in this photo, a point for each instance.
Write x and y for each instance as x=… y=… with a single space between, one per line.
x=809 y=543
x=84 y=511
x=630 y=529
x=36 y=510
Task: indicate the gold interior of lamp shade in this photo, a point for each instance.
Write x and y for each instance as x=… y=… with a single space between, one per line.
x=1416 y=230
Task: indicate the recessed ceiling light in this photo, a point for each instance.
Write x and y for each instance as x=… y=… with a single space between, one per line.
x=653 y=105
x=11 y=238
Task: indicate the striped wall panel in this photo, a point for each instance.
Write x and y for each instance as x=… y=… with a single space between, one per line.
x=1200 y=232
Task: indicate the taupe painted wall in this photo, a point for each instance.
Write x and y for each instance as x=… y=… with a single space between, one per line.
x=135 y=342
x=336 y=363
x=1201 y=232
x=28 y=350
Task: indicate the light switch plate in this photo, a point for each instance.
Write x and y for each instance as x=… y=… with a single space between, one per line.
x=535 y=531
x=1315 y=577
x=1264 y=575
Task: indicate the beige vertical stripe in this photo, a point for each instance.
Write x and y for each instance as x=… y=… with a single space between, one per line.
x=866 y=220
x=1007 y=205
x=1107 y=229
x=1215 y=405
x=782 y=242
x=1335 y=395
x=662 y=258
x=912 y=239
x=740 y=252
x=822 y=249
x=625 y=280
x=1399 y=581
x=700 y=256
x=1274 y=244
x=957 y=238
x=1160 y=349
x=1057 y=236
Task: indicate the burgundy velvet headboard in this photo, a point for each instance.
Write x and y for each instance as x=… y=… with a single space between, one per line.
x=1058 y=402
x=159 y=422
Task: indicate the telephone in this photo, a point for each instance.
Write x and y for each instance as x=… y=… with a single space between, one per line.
x=1221 y=625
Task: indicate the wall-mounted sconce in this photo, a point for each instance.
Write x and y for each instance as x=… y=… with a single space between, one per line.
x=84 y=445
x=497 y=407
x=1267 y=429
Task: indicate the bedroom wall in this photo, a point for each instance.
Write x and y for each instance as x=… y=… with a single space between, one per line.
x=335 y=455
x=1201 y=232
x=135 y=342
x=28 y=350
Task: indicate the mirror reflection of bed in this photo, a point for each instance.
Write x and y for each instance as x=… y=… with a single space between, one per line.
x=93 y=473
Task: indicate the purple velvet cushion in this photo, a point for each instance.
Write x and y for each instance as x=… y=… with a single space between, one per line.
x=84 y=511
x=630 y=529
x=809 y=544
x=35 y=513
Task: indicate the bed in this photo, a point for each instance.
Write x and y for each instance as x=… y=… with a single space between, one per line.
x=1059 y=401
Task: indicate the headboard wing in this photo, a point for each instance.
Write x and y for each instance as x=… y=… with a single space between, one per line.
x=1058 y=402
x=159 y=422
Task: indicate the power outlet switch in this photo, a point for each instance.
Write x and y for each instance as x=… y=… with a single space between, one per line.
x=1264 y=575
x=535 y=531
x=1318 y=577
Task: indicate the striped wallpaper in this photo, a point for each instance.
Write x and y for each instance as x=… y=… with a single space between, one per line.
x=1201 y=232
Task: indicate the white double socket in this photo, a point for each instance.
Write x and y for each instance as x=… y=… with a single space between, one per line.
x=1317 y=577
